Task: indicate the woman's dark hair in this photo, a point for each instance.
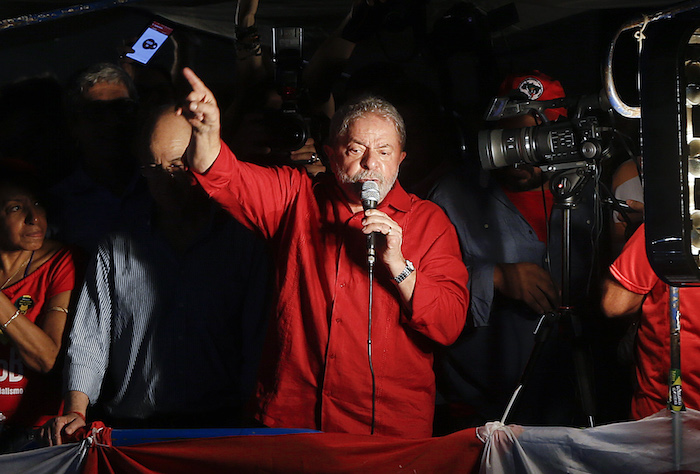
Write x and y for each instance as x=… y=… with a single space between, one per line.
x=20 y=174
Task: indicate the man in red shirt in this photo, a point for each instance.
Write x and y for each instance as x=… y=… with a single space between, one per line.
x=635 y=286
x=326 y=367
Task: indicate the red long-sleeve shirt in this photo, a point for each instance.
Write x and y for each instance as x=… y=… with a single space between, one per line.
x=315 y=371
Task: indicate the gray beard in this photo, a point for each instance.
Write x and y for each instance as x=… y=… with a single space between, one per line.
x=384 y=184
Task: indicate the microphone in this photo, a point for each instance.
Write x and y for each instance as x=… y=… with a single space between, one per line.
x=370 y=198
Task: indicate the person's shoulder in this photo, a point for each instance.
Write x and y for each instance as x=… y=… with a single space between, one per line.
x=53 y=257
x=119 y=243
x=626 y=171
x=634 y=249
x=460 y=182
x=428 y=210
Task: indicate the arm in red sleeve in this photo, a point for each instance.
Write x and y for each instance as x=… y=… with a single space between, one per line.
x=256 y=196
x=440 y=298
x=631 y=279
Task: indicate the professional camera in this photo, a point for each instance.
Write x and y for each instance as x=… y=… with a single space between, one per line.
x=578 y=139
x=289 y=129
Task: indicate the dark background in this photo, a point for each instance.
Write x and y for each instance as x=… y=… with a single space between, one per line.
x=49 y=37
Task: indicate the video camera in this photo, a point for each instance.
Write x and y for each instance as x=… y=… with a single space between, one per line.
x=578 y=139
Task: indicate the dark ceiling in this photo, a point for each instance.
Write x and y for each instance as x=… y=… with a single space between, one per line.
x=564 y=37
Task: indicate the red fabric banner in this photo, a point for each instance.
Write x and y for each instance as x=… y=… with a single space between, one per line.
x=303 y=452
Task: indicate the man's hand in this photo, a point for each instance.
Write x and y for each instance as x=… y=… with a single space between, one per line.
x=377 y=221
x=53 y=429
x=202 y=113
x=527 y=282
x=75 y=402
x=635 y=206
x=307 y=156
x=391 y=255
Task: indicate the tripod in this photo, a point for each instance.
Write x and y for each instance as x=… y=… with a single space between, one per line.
x=566 y=185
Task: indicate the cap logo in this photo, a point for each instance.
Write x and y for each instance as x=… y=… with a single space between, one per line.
x=532 y=88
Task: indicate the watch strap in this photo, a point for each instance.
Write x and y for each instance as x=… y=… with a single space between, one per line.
x=408 y=269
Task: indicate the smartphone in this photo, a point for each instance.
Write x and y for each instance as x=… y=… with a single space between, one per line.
x=149 y=42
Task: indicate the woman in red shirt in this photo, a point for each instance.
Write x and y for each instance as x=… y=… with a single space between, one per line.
x=37 y=277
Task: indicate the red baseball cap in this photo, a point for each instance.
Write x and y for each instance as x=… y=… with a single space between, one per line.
x=536 y=86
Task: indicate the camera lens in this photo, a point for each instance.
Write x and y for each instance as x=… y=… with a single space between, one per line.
x=292 y=132
x=288 y=131
x=505 y=147
x=547 y=143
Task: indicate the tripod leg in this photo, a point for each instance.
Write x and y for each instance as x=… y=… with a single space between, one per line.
x=583 y=366
x=544 y=327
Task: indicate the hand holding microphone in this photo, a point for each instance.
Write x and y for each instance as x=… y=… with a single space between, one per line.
x=377 y=221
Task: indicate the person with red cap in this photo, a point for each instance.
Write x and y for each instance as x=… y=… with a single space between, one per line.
x=510 y=235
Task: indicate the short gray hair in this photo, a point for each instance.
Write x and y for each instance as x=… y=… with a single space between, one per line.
x=105 y=72
x=349 y=113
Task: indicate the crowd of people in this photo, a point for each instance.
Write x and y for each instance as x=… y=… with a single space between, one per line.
x=182 y=269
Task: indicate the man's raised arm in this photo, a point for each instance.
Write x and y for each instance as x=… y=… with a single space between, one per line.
x=202 y=112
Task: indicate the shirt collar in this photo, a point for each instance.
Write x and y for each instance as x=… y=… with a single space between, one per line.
x=397 y=198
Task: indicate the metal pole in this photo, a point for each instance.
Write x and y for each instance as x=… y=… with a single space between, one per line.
x=675 y=391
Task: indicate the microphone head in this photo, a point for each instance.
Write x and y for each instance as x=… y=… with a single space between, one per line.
x=369 y=195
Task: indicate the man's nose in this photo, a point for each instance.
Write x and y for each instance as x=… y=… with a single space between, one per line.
x=370 y=159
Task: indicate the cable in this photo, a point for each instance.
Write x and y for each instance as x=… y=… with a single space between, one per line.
x=369 y=344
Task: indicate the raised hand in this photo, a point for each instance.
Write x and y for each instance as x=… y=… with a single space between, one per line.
x=202 y=112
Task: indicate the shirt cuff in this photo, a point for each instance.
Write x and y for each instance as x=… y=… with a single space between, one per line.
x=219 y=173
x=82 y=378
x=627 y=283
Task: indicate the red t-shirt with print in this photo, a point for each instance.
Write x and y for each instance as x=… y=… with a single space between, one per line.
x=28 y=398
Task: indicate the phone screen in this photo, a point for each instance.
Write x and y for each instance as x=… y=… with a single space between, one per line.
x=149 y=42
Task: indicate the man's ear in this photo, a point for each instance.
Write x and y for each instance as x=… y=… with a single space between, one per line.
x=402 y=157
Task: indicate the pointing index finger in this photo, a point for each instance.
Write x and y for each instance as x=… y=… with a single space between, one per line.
x=195 y=82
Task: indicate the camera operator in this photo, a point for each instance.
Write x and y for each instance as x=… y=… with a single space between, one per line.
x=510 y=235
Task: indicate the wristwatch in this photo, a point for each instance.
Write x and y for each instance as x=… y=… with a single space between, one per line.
x=406 y=271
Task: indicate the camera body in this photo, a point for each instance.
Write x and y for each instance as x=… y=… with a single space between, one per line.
x=578 y=139
x=289 y=130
